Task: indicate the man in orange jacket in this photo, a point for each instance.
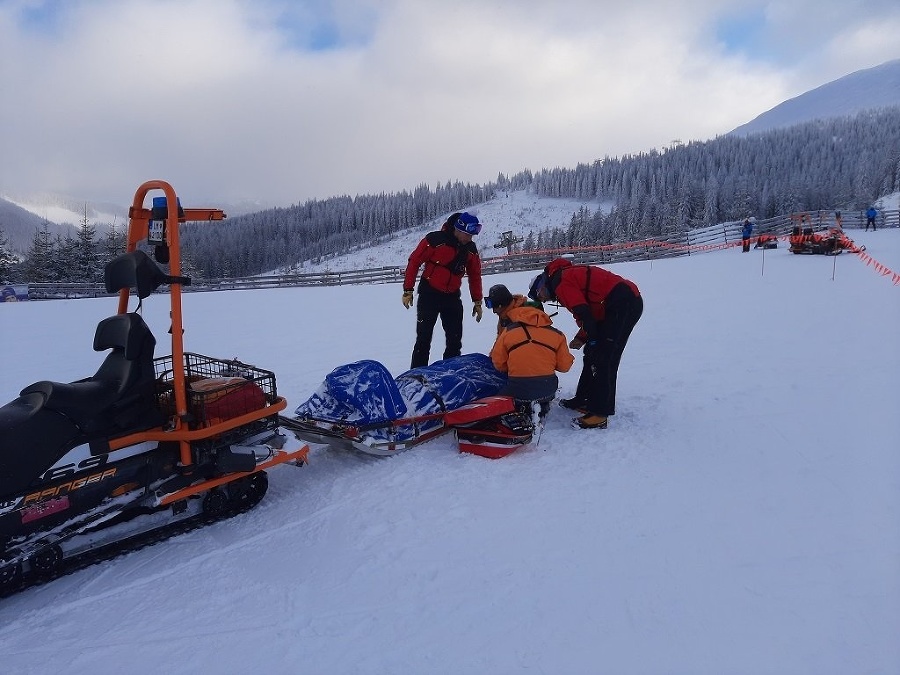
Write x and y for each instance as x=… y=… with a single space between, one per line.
x=448 y=255
x=528 y=348
x=606 y=308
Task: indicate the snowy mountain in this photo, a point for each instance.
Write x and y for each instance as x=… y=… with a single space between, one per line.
x=739 y=515
x=876 y=87
x=19 y=225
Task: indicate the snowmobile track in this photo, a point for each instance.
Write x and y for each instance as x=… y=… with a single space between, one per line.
x=120 y=548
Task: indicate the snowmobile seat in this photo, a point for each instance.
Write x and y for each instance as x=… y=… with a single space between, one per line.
x=117 y=394
x=134 y=270
x=32 y=438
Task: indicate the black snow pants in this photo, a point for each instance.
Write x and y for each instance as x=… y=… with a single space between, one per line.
x=597 y=384
x=431 y=305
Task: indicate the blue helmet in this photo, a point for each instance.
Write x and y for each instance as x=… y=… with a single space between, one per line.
x=467 y=223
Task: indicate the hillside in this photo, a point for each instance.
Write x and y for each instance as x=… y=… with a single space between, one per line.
x=20 y=224
x=518 y=211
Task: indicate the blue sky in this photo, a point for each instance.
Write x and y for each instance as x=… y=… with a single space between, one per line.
x=742 y=33
x=281 y=101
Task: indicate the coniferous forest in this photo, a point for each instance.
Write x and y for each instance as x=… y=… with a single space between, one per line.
x=839 y=163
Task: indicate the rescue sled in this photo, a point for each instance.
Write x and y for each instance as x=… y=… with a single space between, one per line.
x=492 y=426
x=361 y=406
x=766 y=241
x=146 y=441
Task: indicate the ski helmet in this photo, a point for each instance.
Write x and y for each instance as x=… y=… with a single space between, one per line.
x=467 y=223
x=499 y=296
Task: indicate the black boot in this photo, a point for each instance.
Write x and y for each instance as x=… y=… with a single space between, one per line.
x=574 y=403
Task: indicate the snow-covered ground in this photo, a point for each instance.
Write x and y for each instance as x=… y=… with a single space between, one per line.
x=740 y=515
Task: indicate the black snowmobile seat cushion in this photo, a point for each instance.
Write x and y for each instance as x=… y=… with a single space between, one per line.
x=133 y=270
x=127 y=332
x=79 y=400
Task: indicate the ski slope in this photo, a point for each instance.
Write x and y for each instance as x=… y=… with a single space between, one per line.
x=739 y=516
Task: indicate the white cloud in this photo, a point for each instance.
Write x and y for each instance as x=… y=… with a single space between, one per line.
x=222 y=99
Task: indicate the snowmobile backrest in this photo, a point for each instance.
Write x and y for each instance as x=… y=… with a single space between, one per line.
x=126 y=332
x=134 y=270
x=130 y=363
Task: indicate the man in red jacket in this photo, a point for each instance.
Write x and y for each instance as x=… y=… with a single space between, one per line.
x=448 y=255
x=606 y=308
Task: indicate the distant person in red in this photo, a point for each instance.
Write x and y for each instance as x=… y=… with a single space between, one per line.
x=606 y=308
x=447 y=255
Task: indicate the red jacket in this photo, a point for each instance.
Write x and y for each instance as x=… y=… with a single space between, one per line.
x=446 y=261
x=578 y=285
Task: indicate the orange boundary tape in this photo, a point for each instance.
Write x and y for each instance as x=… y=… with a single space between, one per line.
x=849 y=245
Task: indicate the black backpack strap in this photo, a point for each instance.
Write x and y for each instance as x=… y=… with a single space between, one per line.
x=528 y=339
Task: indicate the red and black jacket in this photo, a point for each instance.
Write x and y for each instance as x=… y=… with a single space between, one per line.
x=446 y=262
x=583 y=289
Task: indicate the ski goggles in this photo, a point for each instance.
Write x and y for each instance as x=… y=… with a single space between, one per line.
x=539 y=289
x=488 y=303
x=468 y=224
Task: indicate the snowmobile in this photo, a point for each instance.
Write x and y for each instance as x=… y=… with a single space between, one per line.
x=145 y=442
x=833 y=242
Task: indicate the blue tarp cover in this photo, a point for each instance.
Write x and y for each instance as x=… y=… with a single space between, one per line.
x=364 y=393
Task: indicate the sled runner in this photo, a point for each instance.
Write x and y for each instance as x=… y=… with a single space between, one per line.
x=381 y=438
x=146 y=441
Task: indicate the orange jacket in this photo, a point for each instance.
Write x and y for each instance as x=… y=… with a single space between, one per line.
x=503 y=316
x=530 y=346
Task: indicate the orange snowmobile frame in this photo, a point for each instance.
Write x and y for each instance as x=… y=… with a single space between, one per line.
x=178 y=430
